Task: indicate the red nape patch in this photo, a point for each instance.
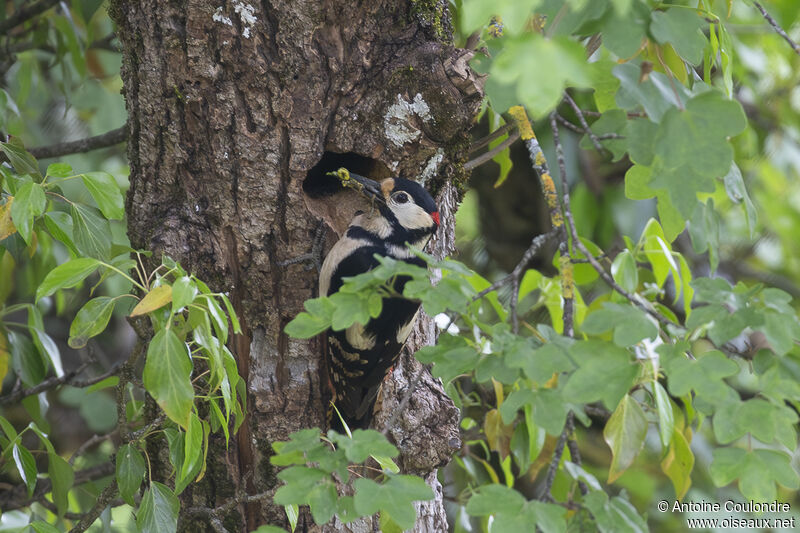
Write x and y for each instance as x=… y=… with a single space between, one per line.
x=435 y=217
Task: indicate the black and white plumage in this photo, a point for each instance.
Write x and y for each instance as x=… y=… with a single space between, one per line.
x=359 y=357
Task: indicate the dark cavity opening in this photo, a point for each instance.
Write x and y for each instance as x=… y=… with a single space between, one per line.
x=318 y=184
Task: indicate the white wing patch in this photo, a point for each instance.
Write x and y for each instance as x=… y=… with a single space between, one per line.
x=405 y=330
x=358 y=338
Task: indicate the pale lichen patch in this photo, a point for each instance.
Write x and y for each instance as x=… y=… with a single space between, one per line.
x=397 y=120
x=219 y=17
x=431 y=167
x=246 y=13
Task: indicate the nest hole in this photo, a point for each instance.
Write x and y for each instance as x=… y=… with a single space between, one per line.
x=319 y=184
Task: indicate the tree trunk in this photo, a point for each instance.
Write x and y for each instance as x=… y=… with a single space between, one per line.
x=232 y=107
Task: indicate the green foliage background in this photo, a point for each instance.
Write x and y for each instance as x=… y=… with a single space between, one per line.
x=682 y=382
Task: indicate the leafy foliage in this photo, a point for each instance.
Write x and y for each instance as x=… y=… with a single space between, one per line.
x=188 y=369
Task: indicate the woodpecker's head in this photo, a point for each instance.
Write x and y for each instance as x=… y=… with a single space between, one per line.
x=403 y=202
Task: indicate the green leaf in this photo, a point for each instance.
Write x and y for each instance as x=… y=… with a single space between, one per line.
x=678 y=463
x=757 y=472
x=606 y=373
x=737 y=192
x=322 y=501
x=192 y=447
x=691 y=147
x=183 y=293
x=681 y=28
x=28 y=203
x=58 y=170
x=28 y=365
x=756 y=416
x=59 y=224
x=704 y=375
x=22 y=161
x=666 y=419
x=395 y=497
x=130 y=472
x=630 y=324
x=91 y=232
x=704 y=231
x=477 y=13
x=363 y=444
x=66 y=275
x=167 y=372
x=625 y=272
x=105 y=191
x=624 y=433
x=43 y=527
x=615 y=515
x=26 y=466
x=538 y=364
x=62 y=477
x=90 y=321
x=299 y=482
x=521 y=59
x=158 y=512
x=654 y=94
x=495 y=499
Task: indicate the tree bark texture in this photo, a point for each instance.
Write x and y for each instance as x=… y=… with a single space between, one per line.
x=233 y=105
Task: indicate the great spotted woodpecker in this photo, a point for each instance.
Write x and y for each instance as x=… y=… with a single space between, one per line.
x=359 y=357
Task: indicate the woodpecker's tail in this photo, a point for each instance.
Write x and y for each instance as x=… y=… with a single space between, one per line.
x=342 y=412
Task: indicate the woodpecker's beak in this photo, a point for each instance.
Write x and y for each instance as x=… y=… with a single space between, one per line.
x=370 y=187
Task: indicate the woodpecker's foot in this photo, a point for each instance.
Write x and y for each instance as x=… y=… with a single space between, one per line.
x=313 y=259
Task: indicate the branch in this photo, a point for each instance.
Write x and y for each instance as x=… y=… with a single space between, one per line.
x=102 y=502
x=480 y=143
x=557 y=454
x=53 y=382
x=777 y=28
x=585 y=251
x=17 y=498
x=214 y=514
x=582 y=119
x=487 y=156
x=26 y=13
x=82 y=145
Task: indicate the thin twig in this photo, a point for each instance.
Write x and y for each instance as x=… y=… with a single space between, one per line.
x=26 y=13
x=777 y=28
x=575 y=455
x=17 y=498
x=485 y=141
x=577 y=129
x=82 y=145
x=557 y=454
x=582 y=119
x=567 y=270
x=50 y=383
x=103 y=500
x=94 y=440
x=487 y=156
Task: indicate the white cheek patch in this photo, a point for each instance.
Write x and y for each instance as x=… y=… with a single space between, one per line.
x=412 y=216
x=405 y=330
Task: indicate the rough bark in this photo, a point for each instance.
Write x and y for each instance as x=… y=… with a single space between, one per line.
x=231 y=105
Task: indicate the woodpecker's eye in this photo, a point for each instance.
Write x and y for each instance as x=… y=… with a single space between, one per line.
x=401 y=198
